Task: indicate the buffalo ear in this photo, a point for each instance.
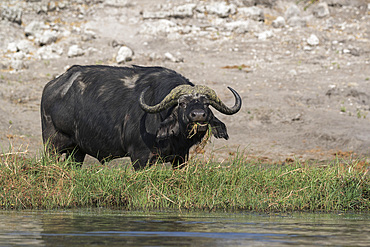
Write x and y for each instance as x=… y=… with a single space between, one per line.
x=218 y=128
x=169 y=127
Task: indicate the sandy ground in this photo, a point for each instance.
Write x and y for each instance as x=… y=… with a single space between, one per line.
x=300 y=101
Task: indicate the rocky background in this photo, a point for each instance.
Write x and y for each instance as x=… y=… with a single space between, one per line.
x=301 y=67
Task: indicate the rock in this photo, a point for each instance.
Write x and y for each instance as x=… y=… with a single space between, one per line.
x=267 y=3
x=62 y=5
x=12 y=47
x=321 y=10
x=297 y=21
x=255 y=13
x=115 y=43
x=12 y=14
x=65 y=33
x=279 y=22
x=221 y=9
x=237 y=26
x=346 y=51
x=52 y=51
x=183 y=11
x=17 y=61
x=22 y=45
x=154 y=56
x=75 y=51
x=351 y=50
x=307 y=48
x=329 y=23
x=25 y=46
x=88 y=35
x=91 y=51
x=293 y=17
x=47 y=37
x=156 y=14
x=43 y=8
x=313 y=40
x=35 y=27
x=354 y=52
x=297 y=117
x=18 y=65
x=159 y=27
x=52 y=6
x=172 y=58
x=292 y=72
x=116 y=3
x=191 y=29
x=124 y=54
x=19 y=55
x=3 y=65
x=340 y=3
x=292 y=11
x=249 y=2
x=265 y=35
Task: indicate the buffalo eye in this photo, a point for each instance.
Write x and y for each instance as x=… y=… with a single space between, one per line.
x=182 y=102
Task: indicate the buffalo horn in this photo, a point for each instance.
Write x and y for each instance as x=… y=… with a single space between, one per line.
x=172 y=99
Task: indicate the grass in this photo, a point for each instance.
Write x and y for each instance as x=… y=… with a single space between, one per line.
x=45 y=183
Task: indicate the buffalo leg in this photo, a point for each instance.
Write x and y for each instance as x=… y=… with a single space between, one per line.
x=178 y=162
x=141 y=158
x=139 y=164
x=59 y=143
x=76 y=155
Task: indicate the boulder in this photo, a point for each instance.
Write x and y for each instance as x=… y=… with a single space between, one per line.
x=124 y=54
x=75 y=51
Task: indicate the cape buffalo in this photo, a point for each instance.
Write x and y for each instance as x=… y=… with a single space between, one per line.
x=145 y=113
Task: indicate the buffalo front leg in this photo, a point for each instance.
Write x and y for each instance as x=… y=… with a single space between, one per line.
x=76 y=155
x=179 y=162
x=139 y=164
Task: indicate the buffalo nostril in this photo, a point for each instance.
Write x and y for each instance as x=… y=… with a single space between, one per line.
x=198 y=115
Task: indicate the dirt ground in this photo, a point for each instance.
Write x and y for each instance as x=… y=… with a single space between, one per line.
x=302 y=99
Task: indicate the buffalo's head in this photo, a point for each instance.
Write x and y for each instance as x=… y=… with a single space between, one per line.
x=192 y=110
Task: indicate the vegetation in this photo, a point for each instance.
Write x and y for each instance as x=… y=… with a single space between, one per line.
x=308 y=3
x=45 y=183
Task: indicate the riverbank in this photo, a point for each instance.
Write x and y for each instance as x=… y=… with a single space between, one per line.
x=237 y=184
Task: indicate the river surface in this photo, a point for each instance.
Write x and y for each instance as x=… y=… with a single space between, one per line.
x=98 y=227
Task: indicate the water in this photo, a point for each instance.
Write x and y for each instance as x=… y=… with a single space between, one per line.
x=98 y=227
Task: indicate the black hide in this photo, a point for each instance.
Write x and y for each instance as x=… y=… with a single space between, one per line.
x=95 y=110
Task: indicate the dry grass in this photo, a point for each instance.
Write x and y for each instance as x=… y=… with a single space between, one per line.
x=45 y=183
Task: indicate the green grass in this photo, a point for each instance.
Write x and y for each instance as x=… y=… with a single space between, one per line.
x=44 y=183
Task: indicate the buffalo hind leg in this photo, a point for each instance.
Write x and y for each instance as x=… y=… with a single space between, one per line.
x=57 y=143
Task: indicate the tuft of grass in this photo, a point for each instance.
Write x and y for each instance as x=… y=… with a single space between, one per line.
x=46 y=183
x=308 y=3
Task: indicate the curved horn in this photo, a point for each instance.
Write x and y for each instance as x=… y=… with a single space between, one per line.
x=168 y=101
x=172 y=99
x=221 y=107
